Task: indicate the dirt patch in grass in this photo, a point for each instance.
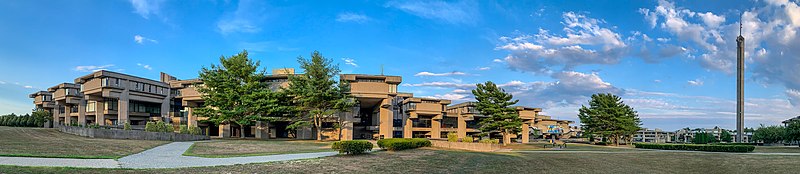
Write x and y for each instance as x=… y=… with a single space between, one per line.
x=232 y=148
x=41 y=142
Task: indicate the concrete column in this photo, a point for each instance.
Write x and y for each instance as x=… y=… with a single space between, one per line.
x=55 y=113
x=407 y=132
x=224 y=130
x=99 y=112
x=462 y=127
x=67 y=112
x=165 y=110
x=122 y=109
x=525 y=132
x=347 y=130
x=436 y=127
x=386 y=116
x=82 y=112
x=262 y=130
x=191 y=120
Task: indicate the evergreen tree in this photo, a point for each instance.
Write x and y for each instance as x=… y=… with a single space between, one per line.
x=317 y=94
x=234 y=93
x=793 y=131
x=609 y=117
x=726 y=136
x=703 y=138
x=495 y=103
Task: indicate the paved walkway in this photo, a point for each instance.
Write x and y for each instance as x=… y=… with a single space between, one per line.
x=171 y=156
x=164 y=156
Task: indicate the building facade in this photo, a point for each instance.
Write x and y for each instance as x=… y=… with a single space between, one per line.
x=113 y=99
x=653 y=136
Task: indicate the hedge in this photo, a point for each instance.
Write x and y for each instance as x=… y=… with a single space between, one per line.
x=697 y=147
x=452 y=137
x=490 y=141
x=403 y=143
x=22 y=120
x=352 y=146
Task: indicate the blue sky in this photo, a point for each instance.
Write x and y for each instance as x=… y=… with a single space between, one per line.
x=672 y=61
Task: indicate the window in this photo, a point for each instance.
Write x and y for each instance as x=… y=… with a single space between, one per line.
x=73 y=109
x=111 y=104
x=410 y=106
x=104 y=82
x=370 y=80
x=392 y=88
x=421 y=122
x=90 y=106
x=449 y=122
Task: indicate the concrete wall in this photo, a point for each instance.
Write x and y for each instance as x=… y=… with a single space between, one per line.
x=480 y=147
x=129 y=134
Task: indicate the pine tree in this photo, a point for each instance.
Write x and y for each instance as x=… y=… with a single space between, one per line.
x=495 y=103
x=726 y=136
x=609 y=117
x=317 y=94
x=234 y=93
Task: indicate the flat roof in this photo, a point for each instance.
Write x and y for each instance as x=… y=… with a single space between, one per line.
x=106 y=73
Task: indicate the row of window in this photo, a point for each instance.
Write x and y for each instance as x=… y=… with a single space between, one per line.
x=370 y=80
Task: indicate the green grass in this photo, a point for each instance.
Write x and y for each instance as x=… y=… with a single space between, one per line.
x=239 y=148
x=570 y=147
x=50 y=143
x=777 y=149
x=428 y=160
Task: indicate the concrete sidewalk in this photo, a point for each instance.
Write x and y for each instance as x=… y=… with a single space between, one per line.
x=164 y=156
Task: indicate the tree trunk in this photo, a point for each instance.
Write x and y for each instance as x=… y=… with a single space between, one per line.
x=318 y=125
x=506 y=137
x=241 y=131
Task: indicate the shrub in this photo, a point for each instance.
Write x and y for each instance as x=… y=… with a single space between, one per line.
x=150 y=127
x=468 y=139
x=602 y=143
x=403 y=143
x=452 y=137
x=490 y=141
x=697 y=147
x=127 y=126
x=194 y=130
x=183 y=129
x=352 y=146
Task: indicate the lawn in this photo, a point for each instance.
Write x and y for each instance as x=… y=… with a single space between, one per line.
x=234 y=148
x=569 y=147
x=777 y=149
x=445 y=161
x=41 y=142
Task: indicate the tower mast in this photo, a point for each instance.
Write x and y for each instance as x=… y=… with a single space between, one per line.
x=740 y=86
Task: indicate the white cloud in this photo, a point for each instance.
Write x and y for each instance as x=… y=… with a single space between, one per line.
x=794 y=97
x=352 y=17
x=144 y=66
x=497 y=61
x=661 y=39
x=484 y=68
x=657 y=81
x=350 y=62
x=92 y=68
x=462 y=12
x=247 y=18
x=711 y=20
x=454 y=73
x=441 y=85
x=139 y=39
x=585 y=42
x=2 y=82
x=145 y=8
x=696 y=82
x=28 y=87
x=452 y=97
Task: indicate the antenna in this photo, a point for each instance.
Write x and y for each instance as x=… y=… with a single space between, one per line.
x=740 y=27
x=381 y=69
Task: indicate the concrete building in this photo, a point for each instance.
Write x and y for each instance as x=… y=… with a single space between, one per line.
x=653 y=136
x=112 y=99
x=43 y=101
x=787 y=121
x=686 y=135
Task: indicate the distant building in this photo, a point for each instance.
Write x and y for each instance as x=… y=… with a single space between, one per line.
x=786 y=122
x=653 y=136
x=686 y=135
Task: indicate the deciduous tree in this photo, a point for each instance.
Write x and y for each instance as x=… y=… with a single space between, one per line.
x=769 y=134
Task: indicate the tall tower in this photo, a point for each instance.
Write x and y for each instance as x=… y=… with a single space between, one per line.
x=739 y=86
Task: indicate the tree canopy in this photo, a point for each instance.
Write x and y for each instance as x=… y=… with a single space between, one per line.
x=495 y=103
x=704 y=138
x=608 y=116
x=234 y=92
x=317 y=94
x=726 y=136
x=769 y=134
x=793 y=131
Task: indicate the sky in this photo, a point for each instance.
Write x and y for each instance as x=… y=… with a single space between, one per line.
x=673 y=61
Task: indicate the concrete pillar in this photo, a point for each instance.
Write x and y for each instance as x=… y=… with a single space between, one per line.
x=82 y=112
x=55 y=113
x=122 y=109
x=224 y=130
x=436 y=127
x=525 y=132
x=262 y=130
x=407 y=132
x=191 y=120
x=99 y=112
x=165 y=110
x=386 y=116
x=462 y=127
x=67 y=113
x=347 y=130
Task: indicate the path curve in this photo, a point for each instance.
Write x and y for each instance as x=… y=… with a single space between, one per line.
x=171 y=156
x=164 y=156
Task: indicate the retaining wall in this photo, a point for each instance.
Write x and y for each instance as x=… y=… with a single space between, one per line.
x=129 y=134
x=481 y=147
